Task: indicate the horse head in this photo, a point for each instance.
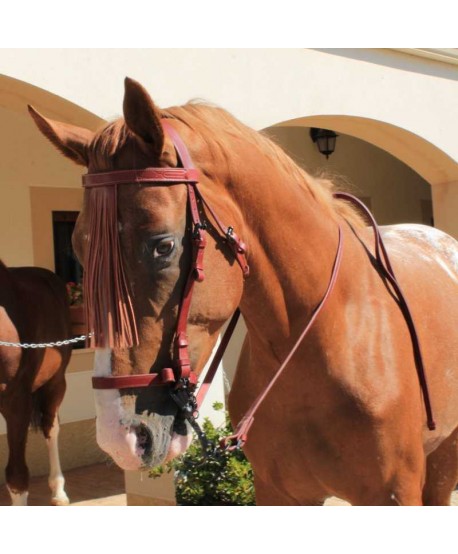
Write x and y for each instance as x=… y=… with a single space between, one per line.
x=144 y=427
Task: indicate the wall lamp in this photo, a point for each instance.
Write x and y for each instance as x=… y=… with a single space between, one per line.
x=324 y=139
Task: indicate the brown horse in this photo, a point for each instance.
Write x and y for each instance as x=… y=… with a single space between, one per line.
x=33 y=309
x=347 y=417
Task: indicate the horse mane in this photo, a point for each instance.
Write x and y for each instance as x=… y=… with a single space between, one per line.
x=204 y=118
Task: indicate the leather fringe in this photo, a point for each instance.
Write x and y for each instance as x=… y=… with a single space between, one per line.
x=108 y=304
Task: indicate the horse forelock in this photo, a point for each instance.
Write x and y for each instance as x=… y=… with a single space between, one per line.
x=107 y=142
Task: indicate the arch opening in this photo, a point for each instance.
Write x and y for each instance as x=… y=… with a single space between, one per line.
x=401 y=176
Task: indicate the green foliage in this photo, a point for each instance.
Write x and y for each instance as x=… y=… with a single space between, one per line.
x=223 y=478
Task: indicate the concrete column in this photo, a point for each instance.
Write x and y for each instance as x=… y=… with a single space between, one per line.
x=445 y=207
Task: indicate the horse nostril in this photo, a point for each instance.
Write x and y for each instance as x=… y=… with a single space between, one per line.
x=144 y=438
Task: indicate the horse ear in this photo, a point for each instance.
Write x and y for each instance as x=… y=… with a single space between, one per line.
x=142 y=116
x=71 y=140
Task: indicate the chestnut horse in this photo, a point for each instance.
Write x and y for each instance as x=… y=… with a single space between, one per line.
x=33 y=309
x=347 y=417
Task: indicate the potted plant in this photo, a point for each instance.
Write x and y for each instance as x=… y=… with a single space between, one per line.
x=220 y=479
x=75 y=297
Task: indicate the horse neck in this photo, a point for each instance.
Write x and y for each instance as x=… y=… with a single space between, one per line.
x=292 y=238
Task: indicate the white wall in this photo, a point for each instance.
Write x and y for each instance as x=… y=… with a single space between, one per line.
x=260 y=86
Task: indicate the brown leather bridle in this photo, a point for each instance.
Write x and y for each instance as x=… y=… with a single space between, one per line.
x=181 y=378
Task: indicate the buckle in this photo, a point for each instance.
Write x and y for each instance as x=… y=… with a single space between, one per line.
x=230 y=234
x=196 y=232
x=183 y=396
x=232 y=442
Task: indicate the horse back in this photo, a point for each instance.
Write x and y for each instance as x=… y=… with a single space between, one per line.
x=425 y=261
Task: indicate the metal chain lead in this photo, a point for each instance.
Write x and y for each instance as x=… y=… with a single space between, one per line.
x=45 y=344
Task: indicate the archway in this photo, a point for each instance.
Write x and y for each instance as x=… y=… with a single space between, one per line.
x=429 y=162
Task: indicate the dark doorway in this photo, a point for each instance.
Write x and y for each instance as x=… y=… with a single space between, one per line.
x=65 y=262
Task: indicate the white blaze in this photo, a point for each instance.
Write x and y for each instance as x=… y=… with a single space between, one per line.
x=113 y=416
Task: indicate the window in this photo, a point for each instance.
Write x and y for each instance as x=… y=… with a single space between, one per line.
x=65 y=262
x=67 y=266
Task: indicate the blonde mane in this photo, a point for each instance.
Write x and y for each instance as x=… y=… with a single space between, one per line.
x=204 y=119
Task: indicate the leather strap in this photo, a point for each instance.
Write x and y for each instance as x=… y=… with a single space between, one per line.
x=205 y=385
x=165 y=377
x=127 y=381
x=163 y=175
x=196 y=273
x=180 y=146
x=234 y=242
x=387 y=270
x=238 y=439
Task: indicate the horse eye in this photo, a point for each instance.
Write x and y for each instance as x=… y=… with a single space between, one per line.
x=164 y=248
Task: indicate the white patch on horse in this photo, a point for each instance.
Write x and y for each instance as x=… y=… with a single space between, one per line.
x=437 y=246
x=18 y=498
x=178 y=445
x=116 y=421
x=447 y=269
x=113 y=415
x=102 y=362
x=56 y=479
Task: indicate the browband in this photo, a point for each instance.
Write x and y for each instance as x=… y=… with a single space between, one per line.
x=164 y=175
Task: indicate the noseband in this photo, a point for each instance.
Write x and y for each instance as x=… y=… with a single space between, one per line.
x=181 y=378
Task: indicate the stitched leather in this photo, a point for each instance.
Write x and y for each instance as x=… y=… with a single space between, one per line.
x=127 y=381
x=240 y=435
x=142 y=176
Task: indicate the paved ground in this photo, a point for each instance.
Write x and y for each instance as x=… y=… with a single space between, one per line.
x=97 y=485
x=101 y=485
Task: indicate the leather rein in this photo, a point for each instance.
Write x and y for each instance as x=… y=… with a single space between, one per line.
x=181 y=378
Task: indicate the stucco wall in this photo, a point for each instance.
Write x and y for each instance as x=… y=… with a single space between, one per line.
x=260 y=86
x=27 y=160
